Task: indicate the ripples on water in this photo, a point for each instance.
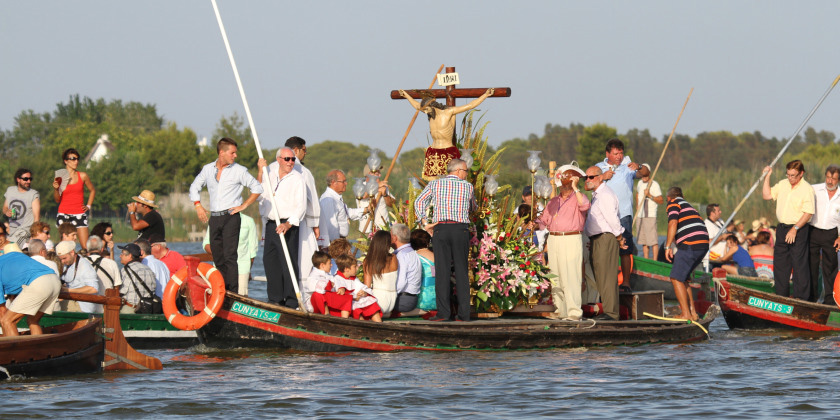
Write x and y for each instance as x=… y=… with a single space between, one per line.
x=737 y=374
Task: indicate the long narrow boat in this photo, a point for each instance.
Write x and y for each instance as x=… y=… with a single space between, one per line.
x=141 y=331
x=654 y=275
x=66 y=349
x=245 y=322
x=748 y=308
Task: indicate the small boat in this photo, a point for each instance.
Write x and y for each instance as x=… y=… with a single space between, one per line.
x=245 y=322
x=82 y=346
x=142 y=331
x=66 y=349
x=654 y=275
x=750 y=308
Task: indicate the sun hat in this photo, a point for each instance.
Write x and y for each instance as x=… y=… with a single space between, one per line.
x=146 y=197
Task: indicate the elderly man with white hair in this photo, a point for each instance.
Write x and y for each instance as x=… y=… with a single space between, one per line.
x=78 y=276
x=38 y=252
x=106 y=269
x=409 y=272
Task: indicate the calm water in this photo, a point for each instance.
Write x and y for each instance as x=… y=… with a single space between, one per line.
x=736 y=374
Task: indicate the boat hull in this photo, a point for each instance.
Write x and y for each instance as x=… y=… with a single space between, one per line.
x=67 y=349
x=746 y=308
x=140 y=330
x=650 y=275
x=244 y=322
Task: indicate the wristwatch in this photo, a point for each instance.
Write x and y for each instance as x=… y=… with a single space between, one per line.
x=795 y=227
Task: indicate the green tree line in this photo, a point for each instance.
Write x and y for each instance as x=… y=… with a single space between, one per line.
x=155 y=154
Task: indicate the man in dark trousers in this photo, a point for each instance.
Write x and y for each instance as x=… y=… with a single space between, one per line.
x=225 y=180
x=453 y=199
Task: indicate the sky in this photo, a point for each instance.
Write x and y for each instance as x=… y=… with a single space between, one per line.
x=323 y=70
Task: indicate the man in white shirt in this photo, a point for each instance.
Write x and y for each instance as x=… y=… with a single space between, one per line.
x=409 y=272
x=106 y=269
x=824 y=234
x=381 y=217
x=309 y=229
x=713 y=225
x=335 y=215
x=38 y=252
x=284 y=218
x=158 y=267
x=648 y=199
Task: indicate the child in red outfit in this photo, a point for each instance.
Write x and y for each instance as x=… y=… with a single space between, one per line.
x=364 y=303
x=328 y=296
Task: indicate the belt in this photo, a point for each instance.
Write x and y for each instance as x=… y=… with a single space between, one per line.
x=449 y=222
x=406 y=293
x=574 y=232
x=220 y=213
x=281 y=221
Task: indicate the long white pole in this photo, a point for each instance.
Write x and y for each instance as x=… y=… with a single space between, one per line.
x=273 y=197
x=779 y=156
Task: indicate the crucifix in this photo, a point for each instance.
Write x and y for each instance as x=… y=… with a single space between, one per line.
x=442 y=119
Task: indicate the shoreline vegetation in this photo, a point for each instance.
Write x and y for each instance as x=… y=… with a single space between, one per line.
x=152 y=153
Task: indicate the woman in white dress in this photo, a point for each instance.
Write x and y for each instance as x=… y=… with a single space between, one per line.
x=380 y=268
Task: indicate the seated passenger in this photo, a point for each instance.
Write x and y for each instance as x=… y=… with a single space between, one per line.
x=79 y=277
x=338 y=247
x=138 y=280
x=735 y=254
x=420 y=240
x=364 y=303
x=762 y=255
x=318 y=282
x=338 y=299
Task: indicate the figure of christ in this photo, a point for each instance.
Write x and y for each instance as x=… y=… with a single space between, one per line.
x=442 y=129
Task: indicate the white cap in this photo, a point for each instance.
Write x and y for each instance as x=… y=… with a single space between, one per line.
x=64 y=247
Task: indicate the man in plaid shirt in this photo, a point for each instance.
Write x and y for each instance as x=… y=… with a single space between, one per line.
x=452 y=200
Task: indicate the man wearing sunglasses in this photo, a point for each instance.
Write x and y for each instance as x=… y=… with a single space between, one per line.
x=22 y=207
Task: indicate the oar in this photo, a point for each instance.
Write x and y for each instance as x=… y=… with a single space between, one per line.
x=779 y=156
x=662 y=155
x=271 y=195
x=396 y=154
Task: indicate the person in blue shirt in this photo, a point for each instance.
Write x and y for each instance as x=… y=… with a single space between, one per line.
x=743 y=263
x=33 y=301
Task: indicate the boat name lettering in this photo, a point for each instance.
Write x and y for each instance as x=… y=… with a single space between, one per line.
x=253 y=312
x=770 y=306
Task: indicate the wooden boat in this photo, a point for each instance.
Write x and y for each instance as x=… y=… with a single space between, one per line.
x=245 y=322
x=748 y=308
x=143 y=331
x=65 y=349
x=654 y=275
x=82 y=346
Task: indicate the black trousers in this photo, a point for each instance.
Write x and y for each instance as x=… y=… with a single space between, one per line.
x=279 y=287
x=451 y=247
x=792 y=257
x=822 y=242
x=224 y=240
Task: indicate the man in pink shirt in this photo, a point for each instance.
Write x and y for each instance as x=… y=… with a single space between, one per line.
x=564 y=217
x=603 y=227
x=173 y=260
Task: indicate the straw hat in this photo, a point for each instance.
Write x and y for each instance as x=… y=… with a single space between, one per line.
x=570 y=170
x=146 y=197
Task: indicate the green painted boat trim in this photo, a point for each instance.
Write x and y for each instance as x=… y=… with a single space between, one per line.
x=129 y=322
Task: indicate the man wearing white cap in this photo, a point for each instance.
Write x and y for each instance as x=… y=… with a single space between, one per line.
x=564 y=217
x=143 y=216
x=648 y=198
x=79 y=277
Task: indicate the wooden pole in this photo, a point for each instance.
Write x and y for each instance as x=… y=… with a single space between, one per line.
x=271 y=195
x=396 y=154
x=778 y=156
x=661 y=156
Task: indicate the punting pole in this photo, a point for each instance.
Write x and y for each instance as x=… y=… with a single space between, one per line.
x=273 y=197
x=394 y=160
x=662 y=155
x=779 y=156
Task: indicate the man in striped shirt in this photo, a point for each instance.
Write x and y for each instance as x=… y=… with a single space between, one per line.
x=452 y=200
x=688 y=230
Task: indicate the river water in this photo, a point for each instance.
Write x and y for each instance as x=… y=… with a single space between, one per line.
x=736 y=374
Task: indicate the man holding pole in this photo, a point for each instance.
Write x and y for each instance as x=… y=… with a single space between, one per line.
x=309 y=230
x=225 y=180
x=284 y=218
x=794 y=207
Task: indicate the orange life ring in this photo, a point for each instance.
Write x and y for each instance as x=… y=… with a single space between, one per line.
x=837 y=289
x=217 y=296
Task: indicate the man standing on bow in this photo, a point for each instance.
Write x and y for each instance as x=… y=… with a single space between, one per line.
x=794 y=207
x=604 y=230
x=452 y=198
x=225 y=180
x=618 y=172
x=284 y=218
x=824 y=239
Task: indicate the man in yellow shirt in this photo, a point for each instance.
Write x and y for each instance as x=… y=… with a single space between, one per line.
x=794 y=207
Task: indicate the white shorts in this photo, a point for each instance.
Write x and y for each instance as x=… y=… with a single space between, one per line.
x=38 y=296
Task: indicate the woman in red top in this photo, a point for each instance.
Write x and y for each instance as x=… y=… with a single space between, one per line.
x=70 y=198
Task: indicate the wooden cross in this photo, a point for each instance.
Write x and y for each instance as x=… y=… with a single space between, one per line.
x=450 y=92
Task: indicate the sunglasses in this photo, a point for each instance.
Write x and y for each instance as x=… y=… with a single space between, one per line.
x=592 y=176
x=287 y=159
x=109 y=233
x=46 y=231
x=73 y=158
x=29 y=178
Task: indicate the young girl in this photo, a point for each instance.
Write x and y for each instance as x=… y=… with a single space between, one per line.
x=364 y=303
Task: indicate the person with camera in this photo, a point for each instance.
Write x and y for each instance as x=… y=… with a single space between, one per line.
x=138 y=283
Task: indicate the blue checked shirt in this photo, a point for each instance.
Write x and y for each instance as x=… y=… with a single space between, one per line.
x=451 y=197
